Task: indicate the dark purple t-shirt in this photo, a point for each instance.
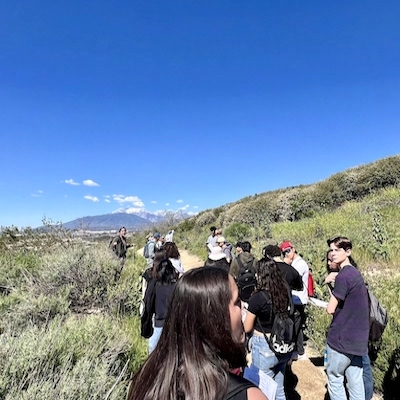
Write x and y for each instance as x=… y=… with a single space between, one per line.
x=349 y=329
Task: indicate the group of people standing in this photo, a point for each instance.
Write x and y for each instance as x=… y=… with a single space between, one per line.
x=209 y=325
x=280 y=289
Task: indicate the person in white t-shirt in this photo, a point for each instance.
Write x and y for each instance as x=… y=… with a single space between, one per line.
x=212 y=239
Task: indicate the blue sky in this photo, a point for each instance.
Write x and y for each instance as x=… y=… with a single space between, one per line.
x=165 y=105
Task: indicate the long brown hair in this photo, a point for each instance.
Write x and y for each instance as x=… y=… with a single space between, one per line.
x=270 y=279
x=196 y=347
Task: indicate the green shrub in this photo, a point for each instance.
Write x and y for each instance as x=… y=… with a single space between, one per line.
x=205 y=218
x=237 y=231
x=79 y=358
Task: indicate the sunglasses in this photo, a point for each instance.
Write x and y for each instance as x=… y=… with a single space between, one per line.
x=287 y=251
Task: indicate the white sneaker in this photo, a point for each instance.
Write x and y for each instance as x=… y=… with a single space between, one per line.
x=302 y=356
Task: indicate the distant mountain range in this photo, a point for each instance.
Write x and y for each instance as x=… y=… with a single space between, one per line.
x=111 y=222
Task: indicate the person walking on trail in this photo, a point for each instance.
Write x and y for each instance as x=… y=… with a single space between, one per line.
x=119 y=246
x=347 y=339
x=300 y=297
x=333 y=269
x=201 y=343
x=212 y=239
x=271 y=297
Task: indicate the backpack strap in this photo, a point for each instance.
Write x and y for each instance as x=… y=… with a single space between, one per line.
x=237 y=384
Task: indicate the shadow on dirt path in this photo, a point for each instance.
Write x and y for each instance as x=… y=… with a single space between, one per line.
x=305 y=379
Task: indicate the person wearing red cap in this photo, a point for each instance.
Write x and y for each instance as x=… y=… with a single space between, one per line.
x=300 y=297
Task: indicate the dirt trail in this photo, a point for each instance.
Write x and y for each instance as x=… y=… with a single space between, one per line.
x=190 y=261
x=306 y=379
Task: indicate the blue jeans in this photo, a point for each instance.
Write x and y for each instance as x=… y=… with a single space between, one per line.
x=265 y=360
x=154 y=338
x=340 y=365
x=368 y=378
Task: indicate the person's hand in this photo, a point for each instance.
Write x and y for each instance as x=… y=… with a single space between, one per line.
x=331 y=277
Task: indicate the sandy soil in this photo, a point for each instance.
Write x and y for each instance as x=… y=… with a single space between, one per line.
x=190 y=261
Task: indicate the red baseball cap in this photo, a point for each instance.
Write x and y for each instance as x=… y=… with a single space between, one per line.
x=285 y=246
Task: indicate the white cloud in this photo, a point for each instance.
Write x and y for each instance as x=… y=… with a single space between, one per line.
x=92 y=198
x=89 y=182
x=179 y=201
x=38 y=193
x=185 y=207
x=134 y=200
x=71 y=182
x=196 y=207
x=167 y=204
x=153 y=202
x=107 y=200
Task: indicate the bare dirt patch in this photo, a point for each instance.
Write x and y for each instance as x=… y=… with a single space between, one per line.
x=190 y=261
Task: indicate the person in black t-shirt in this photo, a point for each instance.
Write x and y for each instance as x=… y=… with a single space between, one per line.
x=290 y=274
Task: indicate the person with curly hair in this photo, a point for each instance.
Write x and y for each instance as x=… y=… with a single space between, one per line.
x=272 y=296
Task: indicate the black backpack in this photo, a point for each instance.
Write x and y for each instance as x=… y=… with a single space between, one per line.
x=246 y=279
x=282 y=337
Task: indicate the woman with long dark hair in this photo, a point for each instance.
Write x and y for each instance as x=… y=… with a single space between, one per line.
x=158 y=293
x=347 y=339
x=271 y=297
x=174 y=256
x=202 y=340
